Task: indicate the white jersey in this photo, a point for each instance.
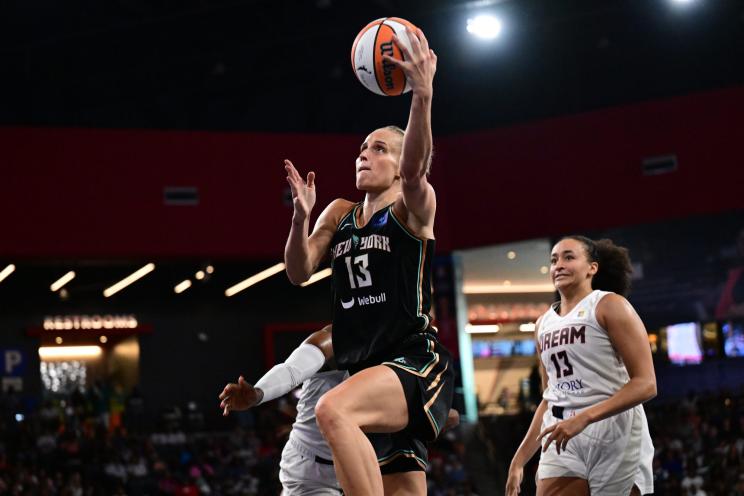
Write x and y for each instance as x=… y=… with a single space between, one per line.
x=583 y=367
x=305 y=429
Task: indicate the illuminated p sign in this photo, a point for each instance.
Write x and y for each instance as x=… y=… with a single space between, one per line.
x=12 y=362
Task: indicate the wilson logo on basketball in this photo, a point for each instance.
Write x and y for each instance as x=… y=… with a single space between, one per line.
x=387 y=67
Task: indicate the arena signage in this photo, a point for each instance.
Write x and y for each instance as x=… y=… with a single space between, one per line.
x=93 y=322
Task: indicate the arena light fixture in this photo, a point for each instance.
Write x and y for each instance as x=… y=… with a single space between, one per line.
x=484 y=26
x=264 y=274
x=182 y=286
x=7 y=271
x=321 y=274
x=482 y=329
x=59 y=283
x=506 y=289
x=69 y=352
x=139 y=274
x=528 y=327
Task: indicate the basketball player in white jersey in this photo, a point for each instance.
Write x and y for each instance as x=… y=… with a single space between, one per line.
x=597 y=371
x=306 y=466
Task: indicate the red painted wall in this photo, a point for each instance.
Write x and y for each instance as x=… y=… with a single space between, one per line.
x=584 y=171
x=71 y=193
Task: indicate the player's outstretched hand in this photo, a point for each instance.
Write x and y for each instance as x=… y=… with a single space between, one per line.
x=240 y=396
x=303 y=192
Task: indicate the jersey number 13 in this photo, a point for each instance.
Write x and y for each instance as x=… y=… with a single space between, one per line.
x=363 y=278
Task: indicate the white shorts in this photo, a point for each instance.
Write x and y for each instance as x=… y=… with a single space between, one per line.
x=612 y=455
x=300 y=474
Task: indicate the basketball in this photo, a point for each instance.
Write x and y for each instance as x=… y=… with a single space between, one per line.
x=374 y=41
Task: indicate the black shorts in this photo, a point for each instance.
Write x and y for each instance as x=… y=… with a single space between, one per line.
x=424 y=368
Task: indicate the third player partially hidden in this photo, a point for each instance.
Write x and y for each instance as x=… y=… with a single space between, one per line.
x=597 y=370
x=400 y=389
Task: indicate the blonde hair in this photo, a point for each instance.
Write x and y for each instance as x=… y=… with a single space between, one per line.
x=397 y=130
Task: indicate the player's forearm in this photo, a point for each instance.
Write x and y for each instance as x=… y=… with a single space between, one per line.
x=530 y=443
x=638 y=390
x=417 y=143
x=305 y=361
x=297 y=259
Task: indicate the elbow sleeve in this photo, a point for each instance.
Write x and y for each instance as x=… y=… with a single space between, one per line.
x=305 y=361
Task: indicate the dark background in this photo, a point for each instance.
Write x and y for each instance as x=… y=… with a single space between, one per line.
x=283 y=65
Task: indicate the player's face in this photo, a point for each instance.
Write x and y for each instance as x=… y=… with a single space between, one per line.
x=570 y=265
x=378 y=161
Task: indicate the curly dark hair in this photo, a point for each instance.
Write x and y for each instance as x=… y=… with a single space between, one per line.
x=615 y=269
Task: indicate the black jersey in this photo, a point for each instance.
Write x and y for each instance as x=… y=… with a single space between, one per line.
x=381 y=287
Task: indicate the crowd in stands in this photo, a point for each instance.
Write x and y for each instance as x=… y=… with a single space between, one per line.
x=699 y=444
x=72 y=445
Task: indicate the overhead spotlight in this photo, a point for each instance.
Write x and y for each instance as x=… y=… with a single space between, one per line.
x=511 y=255
x=209 y=269
x=128 y=280
x=484 y=26
x=199 y=275
x=69 y=352
x=7 y=271
x=103 y=339
x=321 y=274
x=182 y=286
x=481 y=329
x=507 y=288
x=58 y=340
x=246 y=283
x=56 y=285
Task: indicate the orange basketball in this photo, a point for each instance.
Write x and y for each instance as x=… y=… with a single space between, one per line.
x=374 y=41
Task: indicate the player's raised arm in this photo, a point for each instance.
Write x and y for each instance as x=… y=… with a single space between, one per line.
x=419 y=66
x=303 y=251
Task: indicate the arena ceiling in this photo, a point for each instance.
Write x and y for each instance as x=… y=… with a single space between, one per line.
x=283 y=65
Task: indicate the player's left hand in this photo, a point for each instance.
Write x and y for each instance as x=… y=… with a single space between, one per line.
x=562 y=431
x=240 y=396
x=420 y=62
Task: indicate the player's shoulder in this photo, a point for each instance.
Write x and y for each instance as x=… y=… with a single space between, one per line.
x=336 y=211
x=611 y=300
x=341 y=205
x=613 y=305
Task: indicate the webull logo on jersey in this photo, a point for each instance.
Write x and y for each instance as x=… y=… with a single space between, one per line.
x=364 y=300
x=371 y=242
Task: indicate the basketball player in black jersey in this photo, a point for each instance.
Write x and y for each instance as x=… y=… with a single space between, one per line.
x=400 y=390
